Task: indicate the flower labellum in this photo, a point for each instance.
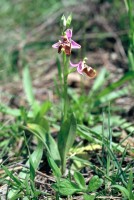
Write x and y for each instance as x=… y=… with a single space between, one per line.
x=83 y=68
x=89 y=71
x=66 y=44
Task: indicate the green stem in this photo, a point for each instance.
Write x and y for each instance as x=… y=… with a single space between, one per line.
x=63 y=166
x=65 y=75
x=57 y=196
x=65 y=99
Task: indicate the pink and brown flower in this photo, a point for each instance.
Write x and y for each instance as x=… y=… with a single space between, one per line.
x=83 y=68
x=66 y=44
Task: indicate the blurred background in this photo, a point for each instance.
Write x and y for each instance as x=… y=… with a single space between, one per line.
x=29 y=28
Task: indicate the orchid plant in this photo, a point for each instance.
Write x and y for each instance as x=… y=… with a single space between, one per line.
x=65 y=46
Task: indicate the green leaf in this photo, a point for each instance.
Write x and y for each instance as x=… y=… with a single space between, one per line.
x=80 y=180
x=27 y=185
x=122 y=189
x=43 y=109
x=28 y=85
x=65 y=187
x=94 y=183
x=128 y=76
x=36 y=158
x=17 y=196
x=88 y=134
x=11 y=111
x=54 y=167
x=113 y=95
x=40 y=118
x=130 y=185
x=131 y=60
x=14 y=178
x=48 y=141
x=66 y=138
x=81 y=160
x=99 y=81
x=25 y=198
x=88 y=197
x=32 y=169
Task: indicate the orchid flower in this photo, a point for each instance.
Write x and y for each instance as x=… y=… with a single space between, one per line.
x=83 y=68
x=66 y=44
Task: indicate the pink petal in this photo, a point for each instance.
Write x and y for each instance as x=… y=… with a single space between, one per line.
x=75 y=45
x=56 y=45
x=74 y=65
x=80 y=67
x=69 y=33
x=79 y=71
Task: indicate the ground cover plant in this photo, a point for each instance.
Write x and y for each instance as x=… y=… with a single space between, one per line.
x=67 y=129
